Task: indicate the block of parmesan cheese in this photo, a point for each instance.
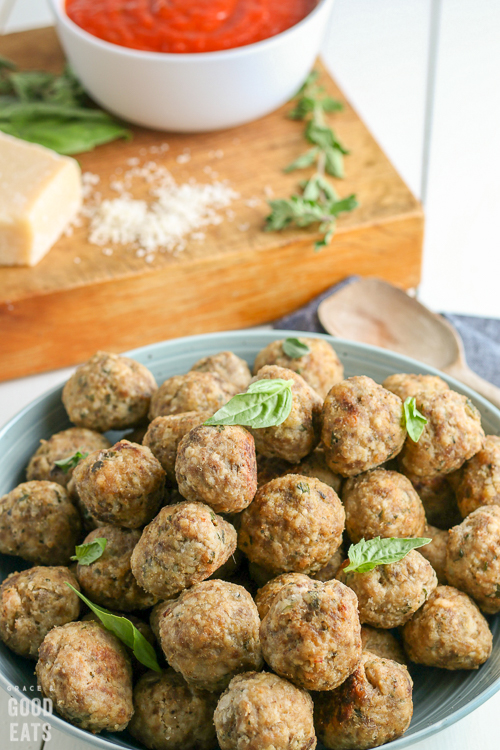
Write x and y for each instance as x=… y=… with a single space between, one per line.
x=40 y=193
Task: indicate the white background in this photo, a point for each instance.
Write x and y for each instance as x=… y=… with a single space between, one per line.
x=379 y=52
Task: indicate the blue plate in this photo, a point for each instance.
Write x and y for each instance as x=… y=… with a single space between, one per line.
x=440 y=697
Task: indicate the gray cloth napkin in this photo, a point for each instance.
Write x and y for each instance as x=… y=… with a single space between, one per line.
x=481 y=336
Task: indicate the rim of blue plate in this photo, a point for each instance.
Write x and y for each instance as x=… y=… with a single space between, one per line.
x=273 y=334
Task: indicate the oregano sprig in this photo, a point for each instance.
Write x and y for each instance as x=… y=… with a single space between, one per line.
x=319 y=202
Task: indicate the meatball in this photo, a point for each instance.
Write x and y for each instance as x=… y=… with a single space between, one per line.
x=165 y=433
x=109 y=581
x=60 y=446
x=449 y=631
x=39 y=523
x=194 y=391
x=478 y=482
x=382 y=503
x=362 y=426
x=373 y=706
x=182 y=546
x=138 y=668
x=228 y=366
x=329 y=571
x=407 y=385
x=294 y=524
x=452 y=435
x=388 y=595
x=169 y=714
x=382 y=643
x=311 y=635
x=266 y=594
x=31 y=603
x=108 y=392
x=438 y=498
x=435 y=551
x=260 y=710
x=298 y=435
x=211 y=633
x=75 y=656
x=123 y=485
x=320 y=367
x=314 y=465
x=473 y=557
x=217 y=465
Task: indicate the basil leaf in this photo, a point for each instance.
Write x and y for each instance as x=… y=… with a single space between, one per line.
x=67 y=464
x=295 y=348
x=367 y=555
x=90 y=552
x=267 y=403
x=125 y=631
x=413 y=419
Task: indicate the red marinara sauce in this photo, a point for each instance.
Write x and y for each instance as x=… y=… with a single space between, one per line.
x=186 y=25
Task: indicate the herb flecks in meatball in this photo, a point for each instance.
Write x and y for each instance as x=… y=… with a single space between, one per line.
x=407 y=385
x=478 y=481
x=165 y=433
x=228 y=366
x=194 y=391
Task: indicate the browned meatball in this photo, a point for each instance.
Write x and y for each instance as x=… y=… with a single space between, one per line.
x=449 y=631
x=294 y=524
x=330 y=570
x=261 y=710
x=39 y=523
x=382 y=643
x=362 y=426
x=138 y=668
x=315 y=465
x=169 y=714
x=31 y=603
x=452 y=435
x=298 y=435
x=372 y=707
x=311 y=635
x=228 y=366
x=478 y=482
x=407 y=385
x=78 y=655
x=435 y=551
x=108 y=392
x=60 y=446
x=123 y=485
x=182 y=546
x=438 y=498
x=320 y=367
x=266 y=594
x=473 y=557
x=217 y=465
x=194 y=391
x=382 y=503
x=109 y=581
x=165 y=433
x=388 y=595
x=211 y=633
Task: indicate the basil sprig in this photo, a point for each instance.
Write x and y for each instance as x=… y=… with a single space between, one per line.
x=295 y=348
x=66 y=464
x=125 y=631
x=414 y=420
x=90 y=552
x=267 y=403
x=367 y=555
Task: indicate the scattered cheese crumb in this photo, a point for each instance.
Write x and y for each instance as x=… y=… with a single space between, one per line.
x=244 y=227
x=253 y=202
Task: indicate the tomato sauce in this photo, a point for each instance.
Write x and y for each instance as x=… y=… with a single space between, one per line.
x=186 y=25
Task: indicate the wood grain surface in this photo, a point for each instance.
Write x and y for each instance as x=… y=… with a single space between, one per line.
x=61 y=311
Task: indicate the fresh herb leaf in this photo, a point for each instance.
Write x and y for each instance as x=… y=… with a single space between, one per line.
x=6 y=63
x=125 y=631
x=413 y=419
x=267 y=403
x=304 y=160
x=90 y=552
x=66 y=464
x=295 y=348
x=367 y=555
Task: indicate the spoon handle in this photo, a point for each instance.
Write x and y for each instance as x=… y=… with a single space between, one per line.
x=467 y=376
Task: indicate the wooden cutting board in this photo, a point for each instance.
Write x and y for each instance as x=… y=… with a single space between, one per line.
x=78 y=300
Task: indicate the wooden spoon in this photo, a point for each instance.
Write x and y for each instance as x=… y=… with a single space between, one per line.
x=375 y=312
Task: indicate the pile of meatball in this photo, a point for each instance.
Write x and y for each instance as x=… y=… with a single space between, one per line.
x=226 y=548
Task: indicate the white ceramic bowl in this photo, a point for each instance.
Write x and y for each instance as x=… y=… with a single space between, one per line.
x=194 y=92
